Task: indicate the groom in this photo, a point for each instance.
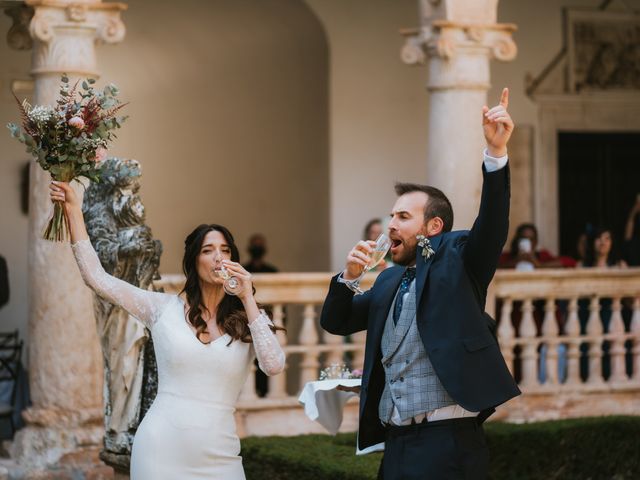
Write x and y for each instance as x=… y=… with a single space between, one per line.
x=433 y=371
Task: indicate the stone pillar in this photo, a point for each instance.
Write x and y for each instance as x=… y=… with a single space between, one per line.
x=457 y=39
x=65 y=365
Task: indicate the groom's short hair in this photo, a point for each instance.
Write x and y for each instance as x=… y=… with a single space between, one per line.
x=438 y=205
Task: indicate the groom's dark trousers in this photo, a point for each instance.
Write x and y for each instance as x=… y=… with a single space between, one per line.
x=447 y=449
x=457 y=338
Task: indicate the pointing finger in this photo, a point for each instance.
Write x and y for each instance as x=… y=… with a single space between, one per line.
x=504 y=99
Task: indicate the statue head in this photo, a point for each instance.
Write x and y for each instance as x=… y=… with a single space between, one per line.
x=122 y=174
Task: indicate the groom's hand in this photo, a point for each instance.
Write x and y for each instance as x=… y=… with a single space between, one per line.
x=498 y=126
x=358 y=259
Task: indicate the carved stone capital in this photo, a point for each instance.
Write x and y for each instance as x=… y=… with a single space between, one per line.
x=77 y=12
x=446 y=40
x=66 y=34
x=18 y=36
x=112 y=29
x=413 y=51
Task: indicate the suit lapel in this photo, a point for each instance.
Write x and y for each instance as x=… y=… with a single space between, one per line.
x=423 y=266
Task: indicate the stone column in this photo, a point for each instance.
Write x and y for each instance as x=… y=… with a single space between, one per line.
x=65 y=365
x=457 y=39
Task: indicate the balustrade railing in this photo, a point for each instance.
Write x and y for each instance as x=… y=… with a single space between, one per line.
x=565 y=330
x=558 y=330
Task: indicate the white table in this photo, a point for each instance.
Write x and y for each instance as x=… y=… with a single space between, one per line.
x=324 y=404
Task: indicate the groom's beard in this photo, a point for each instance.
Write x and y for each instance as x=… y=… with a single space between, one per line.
x=407 y=256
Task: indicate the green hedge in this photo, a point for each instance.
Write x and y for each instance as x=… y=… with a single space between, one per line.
x=582 y=449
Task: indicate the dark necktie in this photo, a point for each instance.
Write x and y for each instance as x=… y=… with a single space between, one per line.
x=407 y=277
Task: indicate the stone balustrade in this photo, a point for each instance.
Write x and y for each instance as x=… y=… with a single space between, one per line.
x=565 y=334
x=569 y=330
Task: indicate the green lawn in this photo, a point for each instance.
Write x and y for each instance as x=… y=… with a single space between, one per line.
x=582 y=449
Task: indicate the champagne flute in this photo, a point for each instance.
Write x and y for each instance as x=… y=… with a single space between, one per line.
x=231 y=284
x=383 y=244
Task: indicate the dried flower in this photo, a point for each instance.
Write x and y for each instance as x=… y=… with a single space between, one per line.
x=76 y=122
x=427 y=250
x=40 y=114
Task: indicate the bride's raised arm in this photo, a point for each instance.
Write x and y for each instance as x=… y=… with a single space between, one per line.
x=142 y=304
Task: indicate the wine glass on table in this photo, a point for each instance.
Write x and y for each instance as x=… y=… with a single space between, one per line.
x=382 y=246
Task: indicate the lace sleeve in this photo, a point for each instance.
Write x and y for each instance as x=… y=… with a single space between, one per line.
x=268 y=350
x=142 y=304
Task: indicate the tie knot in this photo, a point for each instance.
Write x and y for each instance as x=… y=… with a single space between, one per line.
x=409 y=274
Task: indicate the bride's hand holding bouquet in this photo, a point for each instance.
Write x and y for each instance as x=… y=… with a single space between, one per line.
x=67 y=199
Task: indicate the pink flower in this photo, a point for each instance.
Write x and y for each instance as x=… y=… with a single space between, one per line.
x=76 y=122
x=101 y=155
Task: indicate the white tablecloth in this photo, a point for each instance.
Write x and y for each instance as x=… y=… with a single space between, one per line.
x=324 y=404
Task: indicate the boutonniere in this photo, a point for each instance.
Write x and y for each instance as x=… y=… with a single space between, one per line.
x=427 y=249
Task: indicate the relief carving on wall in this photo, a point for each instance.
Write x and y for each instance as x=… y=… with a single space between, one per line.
x=603 y=50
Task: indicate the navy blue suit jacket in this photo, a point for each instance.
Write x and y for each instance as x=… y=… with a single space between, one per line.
x=451 y=289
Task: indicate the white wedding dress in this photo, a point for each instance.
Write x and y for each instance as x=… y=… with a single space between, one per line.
x=189 y=432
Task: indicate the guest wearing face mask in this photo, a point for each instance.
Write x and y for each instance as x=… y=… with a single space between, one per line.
x=257 y=250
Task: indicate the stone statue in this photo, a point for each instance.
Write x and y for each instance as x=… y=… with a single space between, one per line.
x=114 y=215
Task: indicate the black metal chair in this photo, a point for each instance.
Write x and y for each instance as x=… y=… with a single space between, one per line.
x=10 y=365
x=9 y=338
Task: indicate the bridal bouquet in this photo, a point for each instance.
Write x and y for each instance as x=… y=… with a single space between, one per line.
x=70 y=139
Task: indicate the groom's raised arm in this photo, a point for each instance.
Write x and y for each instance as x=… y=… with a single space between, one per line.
x=489 y=232
x=490 y=229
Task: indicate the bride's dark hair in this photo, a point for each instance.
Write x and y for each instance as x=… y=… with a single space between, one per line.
x=230 y=317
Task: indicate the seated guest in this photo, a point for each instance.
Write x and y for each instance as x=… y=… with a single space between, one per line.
x=601 y=251
x=524 y=253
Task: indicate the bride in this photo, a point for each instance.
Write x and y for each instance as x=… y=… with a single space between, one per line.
x=205 y=342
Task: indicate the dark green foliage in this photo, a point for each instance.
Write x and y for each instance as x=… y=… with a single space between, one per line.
x=605 y=448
